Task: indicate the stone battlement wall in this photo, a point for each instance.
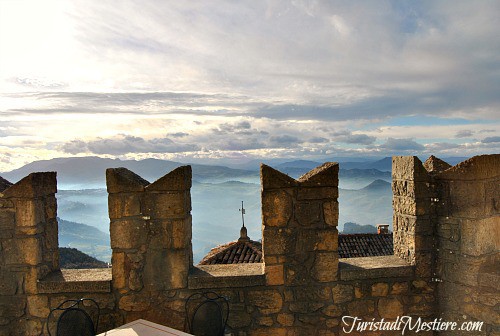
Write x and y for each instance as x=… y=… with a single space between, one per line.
x=302 y=288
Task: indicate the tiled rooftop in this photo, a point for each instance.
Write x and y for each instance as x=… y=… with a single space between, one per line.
x=365 y=245
x=236 y=252
x=350 y=246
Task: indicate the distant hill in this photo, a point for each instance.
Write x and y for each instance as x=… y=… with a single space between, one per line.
x=86 y=238
x=378 y=185
x=72 y=258
x=90 y=172
x=351 y=227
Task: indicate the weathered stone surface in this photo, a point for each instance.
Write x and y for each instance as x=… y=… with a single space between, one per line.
x=265 y=321
x=134 y=303
x=273 y=179
x=12 y=306
x=275 y=275
x=277 y=241
x=167 y=205
x=479 y=237
x=124 y=205
x=331 y=213
x=285 y=319
x=312 y=294
x=360 y=308
x=325 y=266
x=276 y=207
x=326 y=175
x=38 y=306
x=435 y=165
x=34 y=185
x=332 y=310
x=305 y=307
x=308 y=213
x=479 y=167
x=408 y=168
x=399 y=288
x=22 y=251
x=317 y=240
x=29 y=212
x=390 y=308
x=177 y=179
x=267 y=301
x=123 y=180
x=380 y=289
x=342 y=293
x=315 y=193
x=127 y=234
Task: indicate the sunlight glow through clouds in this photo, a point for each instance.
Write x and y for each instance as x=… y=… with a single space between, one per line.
x=224 y=80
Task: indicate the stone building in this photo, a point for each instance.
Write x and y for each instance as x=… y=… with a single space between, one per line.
x=445 y=263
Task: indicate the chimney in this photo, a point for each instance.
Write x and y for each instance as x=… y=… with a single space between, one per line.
x=382 y=228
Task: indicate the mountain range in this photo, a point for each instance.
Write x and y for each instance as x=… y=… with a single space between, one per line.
x=365 y=197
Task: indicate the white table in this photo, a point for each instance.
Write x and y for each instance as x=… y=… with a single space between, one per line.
x=143 y=328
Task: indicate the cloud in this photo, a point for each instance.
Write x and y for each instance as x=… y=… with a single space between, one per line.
x=401 y=145
x=178 y=134
x=284 y=141
x=493 y=139
x=348 y=137
x=464 y=134
x=126 y=144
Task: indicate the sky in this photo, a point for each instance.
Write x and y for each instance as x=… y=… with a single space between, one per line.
x=233 y=81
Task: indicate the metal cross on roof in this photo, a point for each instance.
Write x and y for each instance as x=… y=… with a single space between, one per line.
x=242 y=210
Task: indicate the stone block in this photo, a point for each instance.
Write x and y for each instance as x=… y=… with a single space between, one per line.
x=326 y=175
x=333 y=310
x=267 y=301
x=128 y=234
x=177 y=180
x=308 y=213
x=174 y=265
x=480 y=237
x=399 y=288
x=315 y=193
x=120 y=270
x=26 y=251
x=305 y=307
x=271 y=178
x=408 y=168
x=8 y=283
x=167 y=205
x=123 y=180
x=277 y=241
x=380 y=289
x=265 y=321
x=360 y=308
x=51 y=207
x=467 y=199
x=312 y=294
x=124 y=205
x=12 y=306
x=317 y=240
x=481 y=167
x=275 y=275
x=29 y=212
x=134 y=302
x=276 y=208
x=38 y=305
x=331 y=213
x=390 y=308
x=491 y=197
x=34 y=185
x=342 y=293
x=325 y=267
x=285 y=319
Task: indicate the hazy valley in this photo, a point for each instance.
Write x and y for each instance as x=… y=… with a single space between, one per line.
x=364 y=198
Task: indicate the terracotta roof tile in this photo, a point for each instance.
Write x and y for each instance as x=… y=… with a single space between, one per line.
x=365 y=245
x=350 y=246
x=237 y=252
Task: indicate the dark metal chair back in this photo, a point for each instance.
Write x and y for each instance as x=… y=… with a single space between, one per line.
x=74 y=320
x=207 y=314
